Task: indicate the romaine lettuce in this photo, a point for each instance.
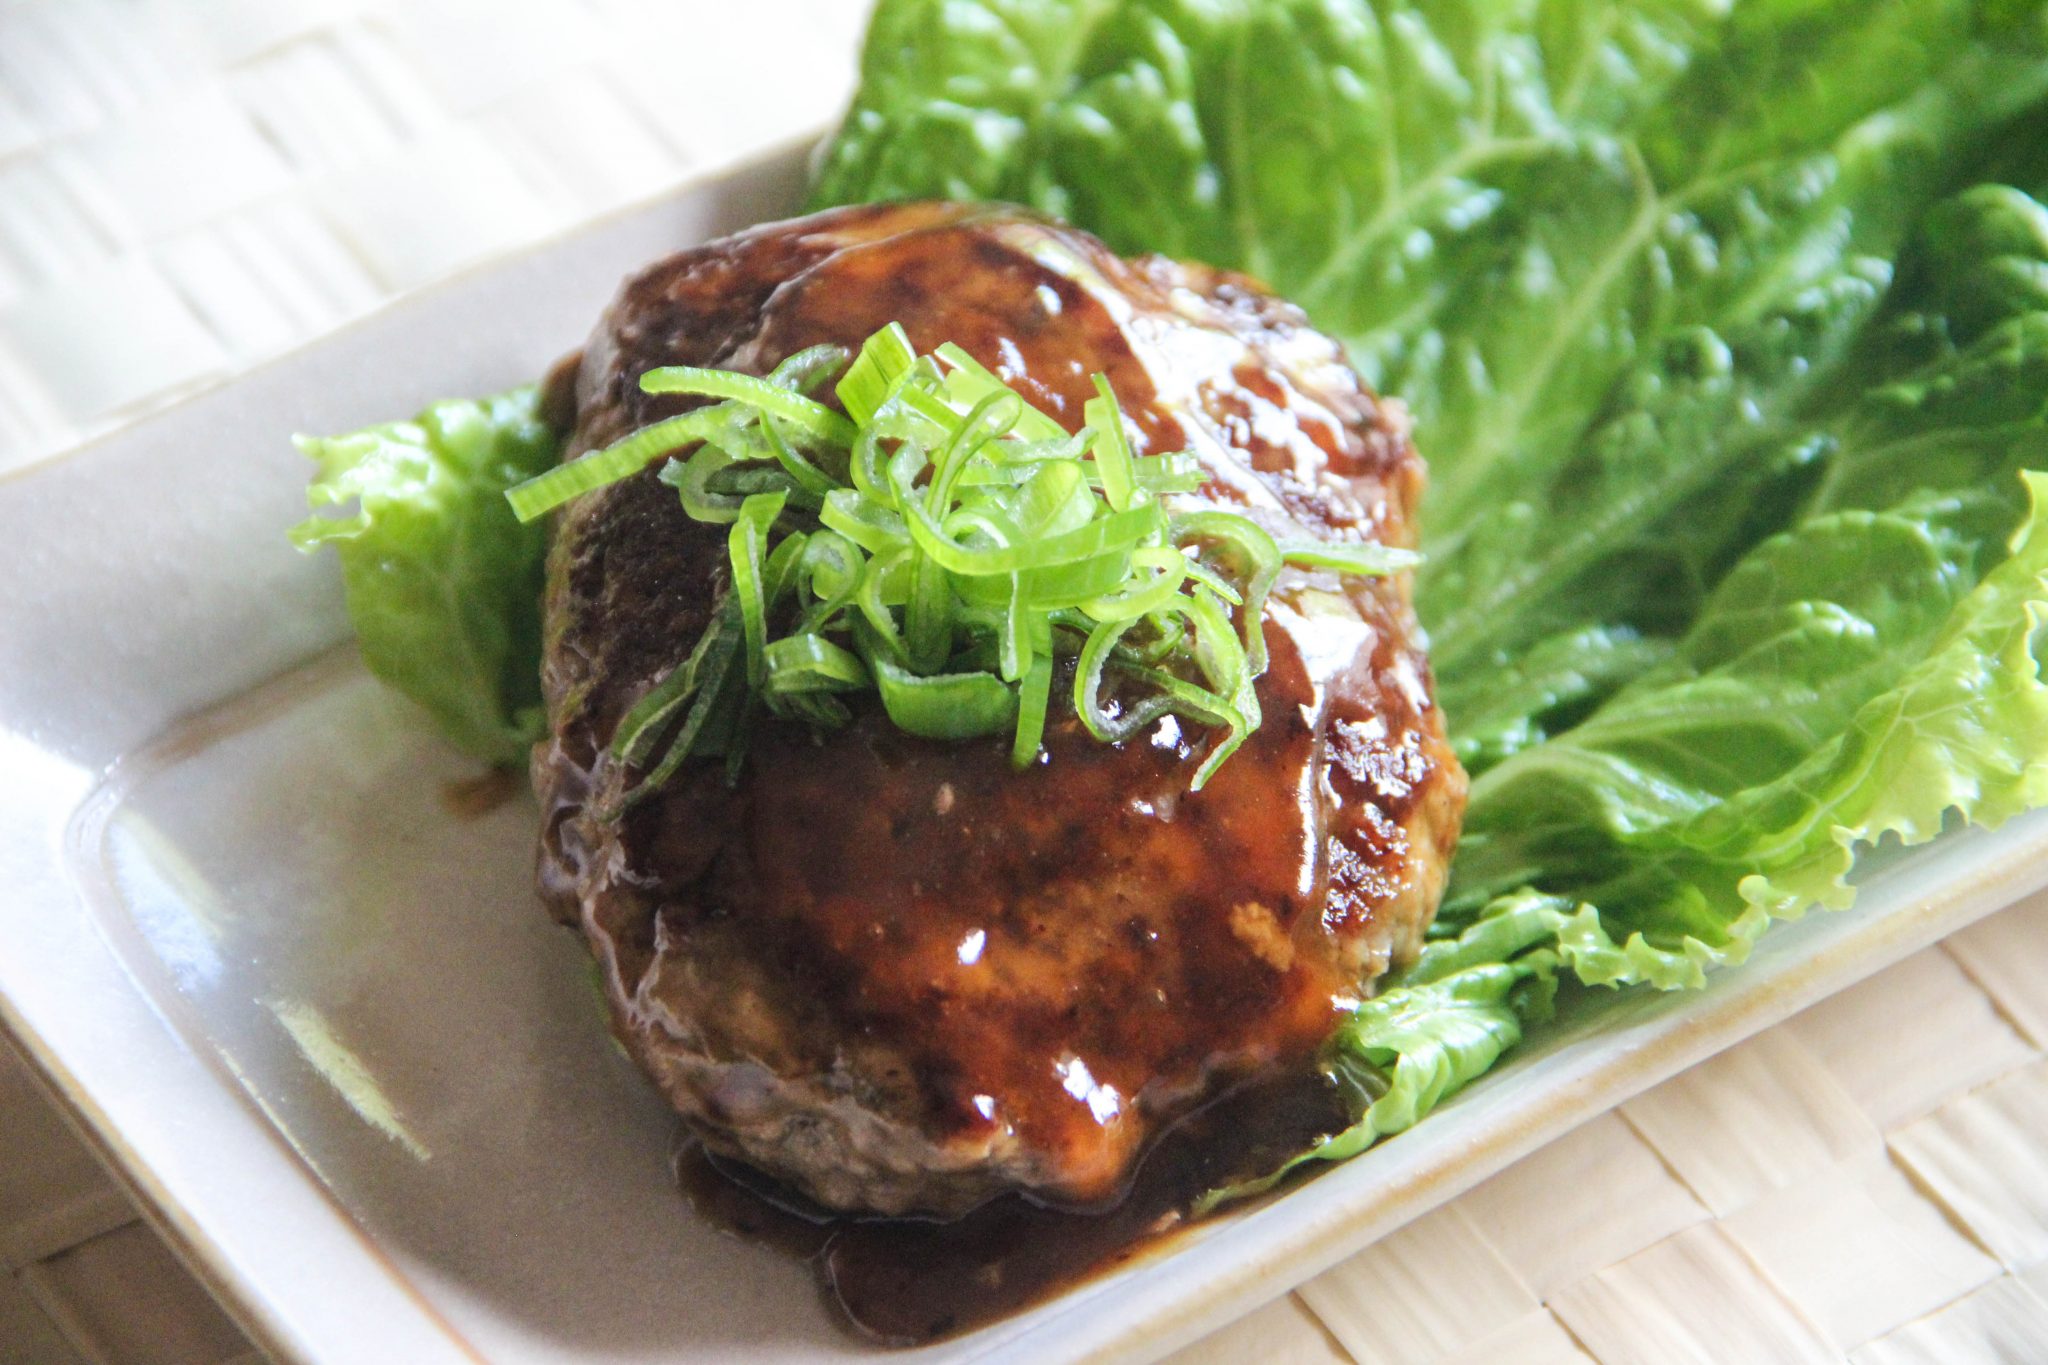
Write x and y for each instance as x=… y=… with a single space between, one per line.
x=1728 y=354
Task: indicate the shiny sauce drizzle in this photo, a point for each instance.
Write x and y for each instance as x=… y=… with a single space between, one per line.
x=907 y=1282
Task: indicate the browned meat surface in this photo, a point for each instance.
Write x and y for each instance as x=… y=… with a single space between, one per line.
x=895 y=973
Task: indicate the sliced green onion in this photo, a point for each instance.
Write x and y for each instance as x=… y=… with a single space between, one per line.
x=1052 y=588
x=969 y=383
x=1112 y=446
x=780 y=573
x=864 y=464
x=702 y=681
x=749 y=576
x=1056 y=500
x=903 y=471
x=1026 y=450
x=1213 y=581
x=1117 y=530
x=806 y=414
x=811 y=663
x=1361 y=560
x=1034 y=697
x=1066 y=585
x=1088 y=674
x=1157 y=474
x=1196 y=703
x=992 y=417
x=875 y=596
x=1174 y=473
x=927 y=406
x=928 y=618
x=1169 y=640
x=947 y=705
x=621 y=459
x=828 y=573
x=1143 y=598
x=884 y=359
x=1218 y=650
x=740 y=731
x=809 y=368
x=641 y=725
x=713 y=714
x=1259 y=565
x=691 y=479
x=740 y=480
x=875 y=528
x=1014 y=650
x=808 y=476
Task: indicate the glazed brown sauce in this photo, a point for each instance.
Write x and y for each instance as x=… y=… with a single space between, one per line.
x=906 y=1282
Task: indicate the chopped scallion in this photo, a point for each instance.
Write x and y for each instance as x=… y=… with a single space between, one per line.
x=945 y=705
x=884 y=361
x=1112 y=446
x=942 y=545
x=629 y=455
x=1360 y=559
x=806 y=414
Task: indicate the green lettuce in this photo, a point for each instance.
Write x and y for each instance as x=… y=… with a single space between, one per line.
x=1725 y=330
x=442 y=584
x=1963 y=728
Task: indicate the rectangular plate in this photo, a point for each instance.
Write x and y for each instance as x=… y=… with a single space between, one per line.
x=313 y=1013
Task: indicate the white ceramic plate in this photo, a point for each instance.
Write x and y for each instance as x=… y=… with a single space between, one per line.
x=321 y=1024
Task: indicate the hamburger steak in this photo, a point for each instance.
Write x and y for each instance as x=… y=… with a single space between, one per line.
x=895 y=973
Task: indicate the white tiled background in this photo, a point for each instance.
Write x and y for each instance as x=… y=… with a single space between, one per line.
x=189 y=186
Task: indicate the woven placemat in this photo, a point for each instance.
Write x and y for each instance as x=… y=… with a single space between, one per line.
x=190 y=186
x=1868 y=1181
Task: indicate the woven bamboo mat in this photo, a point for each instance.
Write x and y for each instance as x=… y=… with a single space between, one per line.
x=189 y=186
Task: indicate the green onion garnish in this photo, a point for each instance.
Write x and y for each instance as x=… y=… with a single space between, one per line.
x=941 y=545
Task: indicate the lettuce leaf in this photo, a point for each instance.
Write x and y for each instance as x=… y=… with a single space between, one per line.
x=1455 y=1012
x=1725 y=329
x=442 y=584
